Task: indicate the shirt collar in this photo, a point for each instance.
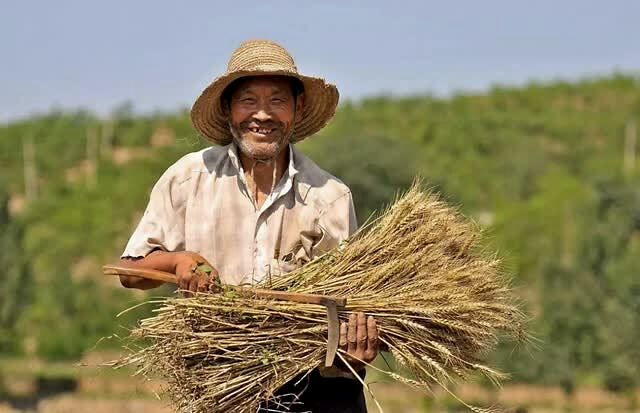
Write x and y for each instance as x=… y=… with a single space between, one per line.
x=282 y=187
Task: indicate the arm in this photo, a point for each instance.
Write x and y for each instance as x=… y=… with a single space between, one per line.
x=156 y=260
x=182 y=263
x=161 y=229
x=158 y=242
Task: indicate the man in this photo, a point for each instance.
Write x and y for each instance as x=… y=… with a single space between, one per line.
x=254 y=206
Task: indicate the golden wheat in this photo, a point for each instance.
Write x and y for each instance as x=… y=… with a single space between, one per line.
x=439 y=300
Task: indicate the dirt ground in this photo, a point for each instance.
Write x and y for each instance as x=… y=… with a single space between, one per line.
x=100 y=390
x=393 y=397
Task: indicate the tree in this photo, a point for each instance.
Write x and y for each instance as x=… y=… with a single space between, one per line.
x=14 y=279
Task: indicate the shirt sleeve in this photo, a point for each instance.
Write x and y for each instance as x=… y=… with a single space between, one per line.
x=162 y=225
x=336 y=223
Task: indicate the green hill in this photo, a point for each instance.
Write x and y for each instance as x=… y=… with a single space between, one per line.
x=549 y=169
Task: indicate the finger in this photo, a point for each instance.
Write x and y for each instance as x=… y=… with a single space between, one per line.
x=188 y=280
x=372 y=339
x=351 y=334
x=211 y=277
x=343 y=336
x=203 y=284
x=361 y=334
x=193 y=284
x=214 y=280
x=184 y=285
x=183 y=281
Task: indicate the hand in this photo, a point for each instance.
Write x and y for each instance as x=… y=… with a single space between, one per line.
x=359 y=338
x=190 y=277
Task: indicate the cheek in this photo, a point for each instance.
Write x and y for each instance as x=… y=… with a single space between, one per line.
x=238 y=116
x=287 y=117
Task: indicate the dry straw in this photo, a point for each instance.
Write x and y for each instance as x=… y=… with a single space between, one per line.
x=440 y=302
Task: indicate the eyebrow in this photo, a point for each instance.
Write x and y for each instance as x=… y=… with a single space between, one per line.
x=274 y=90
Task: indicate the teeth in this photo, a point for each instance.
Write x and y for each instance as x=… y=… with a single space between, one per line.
x=261 y=131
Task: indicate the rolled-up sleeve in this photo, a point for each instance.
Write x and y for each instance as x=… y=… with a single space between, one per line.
x=336 y=223
x=162 y=225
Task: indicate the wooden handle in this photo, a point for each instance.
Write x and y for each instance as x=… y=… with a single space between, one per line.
x=295 y=297
x=142 y=273
x=273 y=294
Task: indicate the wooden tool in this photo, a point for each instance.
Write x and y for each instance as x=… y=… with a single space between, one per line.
x=331 y=303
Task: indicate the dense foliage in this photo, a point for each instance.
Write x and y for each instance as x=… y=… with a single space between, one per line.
x=549 y=170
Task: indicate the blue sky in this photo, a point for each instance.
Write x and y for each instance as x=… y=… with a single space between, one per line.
x=160 y=54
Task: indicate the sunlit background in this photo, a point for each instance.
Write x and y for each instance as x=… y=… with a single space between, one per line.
x=525 y=115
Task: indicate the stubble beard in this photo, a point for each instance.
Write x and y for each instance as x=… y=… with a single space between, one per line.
x=263 y=154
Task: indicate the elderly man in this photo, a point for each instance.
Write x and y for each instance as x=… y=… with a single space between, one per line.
x=254 y=206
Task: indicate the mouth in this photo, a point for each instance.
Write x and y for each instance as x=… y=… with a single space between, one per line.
x=260 y=131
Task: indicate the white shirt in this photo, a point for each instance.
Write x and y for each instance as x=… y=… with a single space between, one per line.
x=203 y=204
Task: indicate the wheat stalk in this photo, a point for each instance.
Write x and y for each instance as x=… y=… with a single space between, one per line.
x=439 y=300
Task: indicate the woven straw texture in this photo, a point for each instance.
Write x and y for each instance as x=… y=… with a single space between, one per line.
x=260 y=58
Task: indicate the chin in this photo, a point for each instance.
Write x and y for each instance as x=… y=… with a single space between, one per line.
x=260 y=151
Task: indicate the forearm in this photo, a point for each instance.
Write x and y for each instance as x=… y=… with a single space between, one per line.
x=156 y=260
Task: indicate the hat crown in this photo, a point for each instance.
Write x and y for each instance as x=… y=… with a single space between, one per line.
x=258 y=55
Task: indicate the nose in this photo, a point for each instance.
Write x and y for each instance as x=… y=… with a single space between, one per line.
x=261 y=115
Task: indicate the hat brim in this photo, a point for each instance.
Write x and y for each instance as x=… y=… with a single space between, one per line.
x=209 y=119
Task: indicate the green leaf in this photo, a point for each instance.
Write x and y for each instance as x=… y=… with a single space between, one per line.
x=205 y=268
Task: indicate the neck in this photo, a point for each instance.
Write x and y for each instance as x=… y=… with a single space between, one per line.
x=262 y=176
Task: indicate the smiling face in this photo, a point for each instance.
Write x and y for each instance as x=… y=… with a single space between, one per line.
x=262 y=113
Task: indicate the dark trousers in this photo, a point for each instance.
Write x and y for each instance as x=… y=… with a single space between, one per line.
x=319 y=394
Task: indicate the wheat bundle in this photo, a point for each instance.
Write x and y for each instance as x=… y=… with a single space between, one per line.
x=440 y=303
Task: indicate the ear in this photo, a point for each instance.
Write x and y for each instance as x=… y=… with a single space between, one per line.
x=299 y=106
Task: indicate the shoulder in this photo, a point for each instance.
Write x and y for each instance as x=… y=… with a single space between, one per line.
x=202 y=161
x=317 y=186
x=180 y=179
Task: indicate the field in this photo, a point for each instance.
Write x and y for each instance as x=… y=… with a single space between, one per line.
x=549 y=171
x=31 y=386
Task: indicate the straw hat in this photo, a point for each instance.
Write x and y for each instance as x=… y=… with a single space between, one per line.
x=260 y=58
